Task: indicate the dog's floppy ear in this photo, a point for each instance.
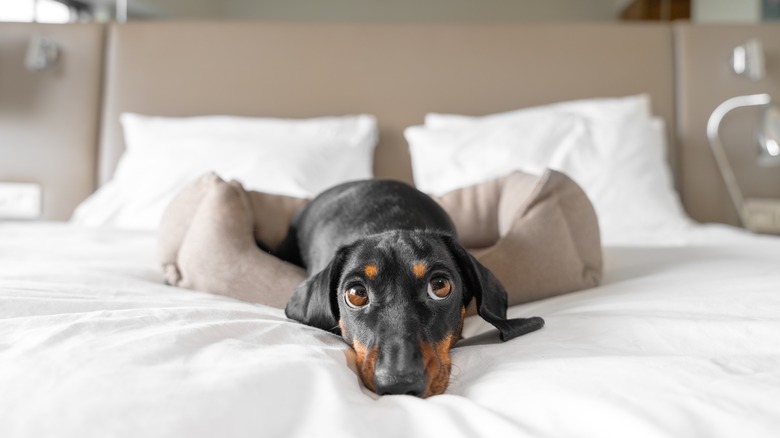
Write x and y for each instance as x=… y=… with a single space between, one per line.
x=482 y=285
x=314 y=300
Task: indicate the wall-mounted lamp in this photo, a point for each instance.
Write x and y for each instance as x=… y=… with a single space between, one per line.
x=42 y=53
x=748 y=60
x=762 y=215
x=768 y=136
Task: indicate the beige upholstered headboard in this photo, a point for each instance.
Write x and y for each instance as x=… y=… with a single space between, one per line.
x=397 y=72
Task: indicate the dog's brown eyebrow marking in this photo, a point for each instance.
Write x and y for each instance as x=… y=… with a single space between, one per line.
x=370 y=270
x=418 y=269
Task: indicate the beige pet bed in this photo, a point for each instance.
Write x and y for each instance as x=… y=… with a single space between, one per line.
x=537 y=234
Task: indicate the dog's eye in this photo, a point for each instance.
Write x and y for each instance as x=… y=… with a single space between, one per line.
x=439 y=288
x=356 y=296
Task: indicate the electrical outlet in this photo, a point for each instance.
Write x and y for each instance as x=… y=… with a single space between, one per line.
x=762 y=215
x=20 y=200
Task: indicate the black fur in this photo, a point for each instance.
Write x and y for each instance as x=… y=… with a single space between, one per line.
x=390 y=225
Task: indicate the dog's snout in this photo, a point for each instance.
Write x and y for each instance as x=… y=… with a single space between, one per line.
x=399 y=369
x=404 y=384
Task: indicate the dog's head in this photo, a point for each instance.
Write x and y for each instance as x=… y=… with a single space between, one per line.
x=399 y=299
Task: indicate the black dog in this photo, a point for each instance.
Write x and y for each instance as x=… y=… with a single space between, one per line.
x=387 y=274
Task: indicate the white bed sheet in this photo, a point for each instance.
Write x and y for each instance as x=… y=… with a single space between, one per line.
x=679 y=341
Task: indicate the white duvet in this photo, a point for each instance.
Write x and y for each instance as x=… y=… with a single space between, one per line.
x=679 y=341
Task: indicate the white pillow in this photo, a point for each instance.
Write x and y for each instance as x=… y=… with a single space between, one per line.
x=450 y=158
x=622 y=166
x=600 y=109
x=629 y=183
x=294 y=157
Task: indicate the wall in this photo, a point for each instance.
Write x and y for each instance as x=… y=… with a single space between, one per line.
x=428 y=10
x=748 y=11
x=49 y=118
x=704 y=81
x=180 y=9
x=378 y=10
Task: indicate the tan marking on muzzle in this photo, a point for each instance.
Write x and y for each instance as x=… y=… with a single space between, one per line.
x=365 y=359
x=436 y=359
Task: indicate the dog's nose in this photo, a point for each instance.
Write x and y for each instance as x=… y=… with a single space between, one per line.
x=407 y=384
x=399 y=368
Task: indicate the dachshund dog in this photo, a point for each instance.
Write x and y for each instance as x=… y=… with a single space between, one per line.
x=386 y=272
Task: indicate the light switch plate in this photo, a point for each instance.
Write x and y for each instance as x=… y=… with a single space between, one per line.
x=20 y=200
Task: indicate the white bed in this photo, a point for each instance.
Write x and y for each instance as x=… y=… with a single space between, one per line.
x=680 y=340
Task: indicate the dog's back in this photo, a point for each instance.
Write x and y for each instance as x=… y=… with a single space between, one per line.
x=352 y=210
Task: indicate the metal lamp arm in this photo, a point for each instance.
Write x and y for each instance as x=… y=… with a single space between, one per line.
x=713 y=127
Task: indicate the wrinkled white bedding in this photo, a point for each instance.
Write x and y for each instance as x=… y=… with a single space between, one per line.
x=679 y=341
